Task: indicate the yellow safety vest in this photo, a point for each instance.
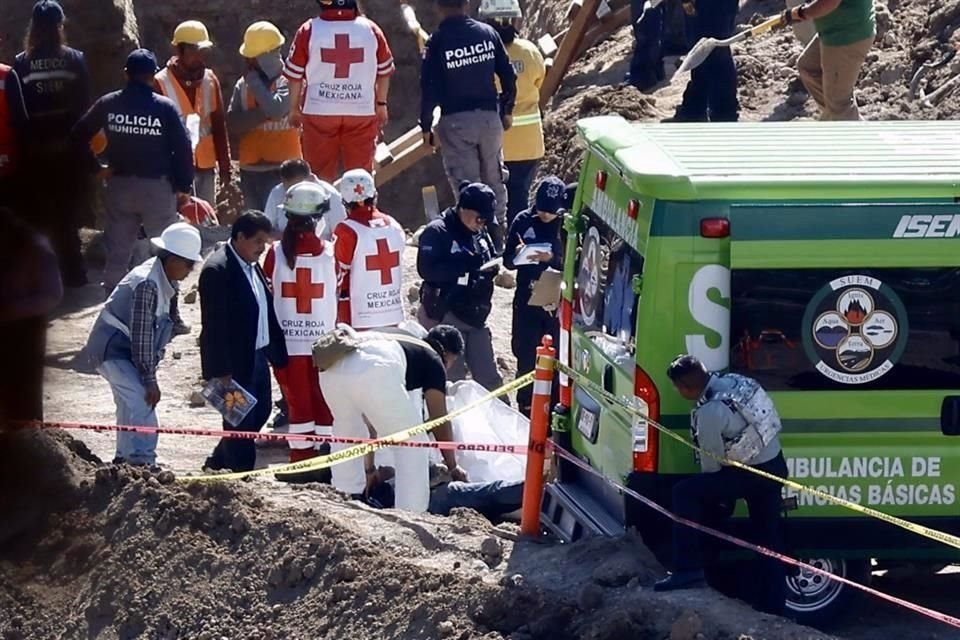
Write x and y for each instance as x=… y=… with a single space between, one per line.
x=524 y=140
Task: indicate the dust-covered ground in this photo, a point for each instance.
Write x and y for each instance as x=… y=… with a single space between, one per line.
x=88 y=550
x=130 y=554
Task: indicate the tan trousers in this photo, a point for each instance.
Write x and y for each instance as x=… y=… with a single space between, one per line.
x=831 y=73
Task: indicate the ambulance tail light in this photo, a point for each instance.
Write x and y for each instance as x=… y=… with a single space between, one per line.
x=566 y=325
x=715 y=228
x=646 y=438
x=633 y=208
x=601 y=180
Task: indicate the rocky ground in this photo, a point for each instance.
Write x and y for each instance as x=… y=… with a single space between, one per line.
x=88 y=550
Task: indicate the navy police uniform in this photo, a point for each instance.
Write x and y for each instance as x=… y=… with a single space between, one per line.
x=531 y=323
x=712 y=90
x=455 y=291
x=149 y=155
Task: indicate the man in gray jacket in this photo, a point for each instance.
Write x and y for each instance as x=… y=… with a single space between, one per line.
x=133 y=329
x=257 y=116
x=734 y=419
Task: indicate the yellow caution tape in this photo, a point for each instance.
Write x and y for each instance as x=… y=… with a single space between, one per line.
x=360 y=450
x=624 y=404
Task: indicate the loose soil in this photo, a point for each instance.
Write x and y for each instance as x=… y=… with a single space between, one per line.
x=89 y=550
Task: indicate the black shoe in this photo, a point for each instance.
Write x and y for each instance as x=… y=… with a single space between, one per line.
x=281 y=419
x=181 y=328
x=679 y=117
x=681 y=580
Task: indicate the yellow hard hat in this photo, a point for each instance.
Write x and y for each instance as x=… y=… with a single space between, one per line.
x=260 y=38
x=192 y=32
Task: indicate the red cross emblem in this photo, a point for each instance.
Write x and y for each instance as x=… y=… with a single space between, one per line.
x=384 y=261
x=342 y=56
x=358 y=189
x=304 y=290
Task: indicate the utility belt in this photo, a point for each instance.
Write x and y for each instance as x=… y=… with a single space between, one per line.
x=471 y=303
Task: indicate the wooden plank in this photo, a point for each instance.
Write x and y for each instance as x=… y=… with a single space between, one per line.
x=402 y=162
x=568 y=50
x=600 y=32
x=431 y=203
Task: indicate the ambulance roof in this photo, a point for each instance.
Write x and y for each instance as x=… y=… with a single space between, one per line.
x=782 y=160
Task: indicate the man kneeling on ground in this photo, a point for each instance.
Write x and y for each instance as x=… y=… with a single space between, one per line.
x=378 y=387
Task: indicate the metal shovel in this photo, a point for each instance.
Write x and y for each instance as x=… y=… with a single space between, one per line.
x=702 y=50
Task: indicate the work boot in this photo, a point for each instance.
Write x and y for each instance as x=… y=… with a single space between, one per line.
x=680 y=117
x=681 y=580
x=181 y=328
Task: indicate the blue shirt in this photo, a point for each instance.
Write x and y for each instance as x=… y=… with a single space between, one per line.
x=460 y=61
x=145 y=136
x=56 y=91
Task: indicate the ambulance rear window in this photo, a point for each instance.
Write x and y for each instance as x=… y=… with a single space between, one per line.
x=844 y=330
x=604 y=299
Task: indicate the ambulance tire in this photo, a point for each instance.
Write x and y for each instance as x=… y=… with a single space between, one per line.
x=815 y=601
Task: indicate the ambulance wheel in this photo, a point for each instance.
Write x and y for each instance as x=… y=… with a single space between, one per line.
x=815 y=600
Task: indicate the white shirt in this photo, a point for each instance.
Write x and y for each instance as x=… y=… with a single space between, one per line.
x=260 y=292
x=278 y=218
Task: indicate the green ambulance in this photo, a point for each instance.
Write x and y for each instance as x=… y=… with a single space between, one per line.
x=821 y=259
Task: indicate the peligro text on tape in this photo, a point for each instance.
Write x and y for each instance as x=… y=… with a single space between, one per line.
x=626 y=406
x=931 y=613
x=281 y=437
x=360 y=450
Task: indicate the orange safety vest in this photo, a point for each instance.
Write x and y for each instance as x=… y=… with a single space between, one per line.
x=274 y=141
x=7 y=149
x=205 y=155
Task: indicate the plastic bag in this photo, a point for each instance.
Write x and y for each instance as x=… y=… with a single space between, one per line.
x=491 y=423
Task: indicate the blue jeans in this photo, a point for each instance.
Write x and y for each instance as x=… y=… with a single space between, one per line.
x=712 y=90
x=492 y=499
x=132 y=410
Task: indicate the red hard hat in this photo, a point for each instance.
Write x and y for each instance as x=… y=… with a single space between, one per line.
x=199 y=212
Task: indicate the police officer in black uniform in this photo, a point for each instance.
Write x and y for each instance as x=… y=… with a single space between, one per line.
x=456 y=289
x=539 y=225
x=718 y=421
x=56 y=91
x=149 y=161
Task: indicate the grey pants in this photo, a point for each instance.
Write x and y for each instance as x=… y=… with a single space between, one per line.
x=256 y=187
x=478 y=353
x=205 y=185
x=131 y=202
x=471 y=145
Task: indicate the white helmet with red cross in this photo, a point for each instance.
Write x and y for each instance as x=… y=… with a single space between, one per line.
x=357 y=185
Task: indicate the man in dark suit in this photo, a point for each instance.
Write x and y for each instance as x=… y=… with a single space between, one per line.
x=240 y=332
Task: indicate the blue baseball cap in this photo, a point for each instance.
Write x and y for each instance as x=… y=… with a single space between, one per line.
x=478 y=197
x=551 y=195
x=141 y=62
x=48 y=12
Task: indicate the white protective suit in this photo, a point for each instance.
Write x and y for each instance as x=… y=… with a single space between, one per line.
x=371 y=382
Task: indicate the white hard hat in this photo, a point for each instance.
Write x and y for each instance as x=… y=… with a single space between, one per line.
x=306 y=199
x=181 y=239
x=357 y=185
x=494 y=9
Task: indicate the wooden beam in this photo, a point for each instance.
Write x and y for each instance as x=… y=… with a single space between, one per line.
x=568 y=50
x=599 y=32
x=402 y=162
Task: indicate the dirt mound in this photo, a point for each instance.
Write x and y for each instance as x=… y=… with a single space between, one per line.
x=127 y=553
x=560 y=127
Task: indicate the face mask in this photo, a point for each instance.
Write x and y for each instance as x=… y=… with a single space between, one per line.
x=271 y=64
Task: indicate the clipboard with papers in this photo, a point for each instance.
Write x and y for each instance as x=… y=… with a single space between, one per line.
x=527 y=254
x=546 y=290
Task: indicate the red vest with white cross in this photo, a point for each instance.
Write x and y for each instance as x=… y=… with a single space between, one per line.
x=376 y=275
x=342 y=70
x=305 y=298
